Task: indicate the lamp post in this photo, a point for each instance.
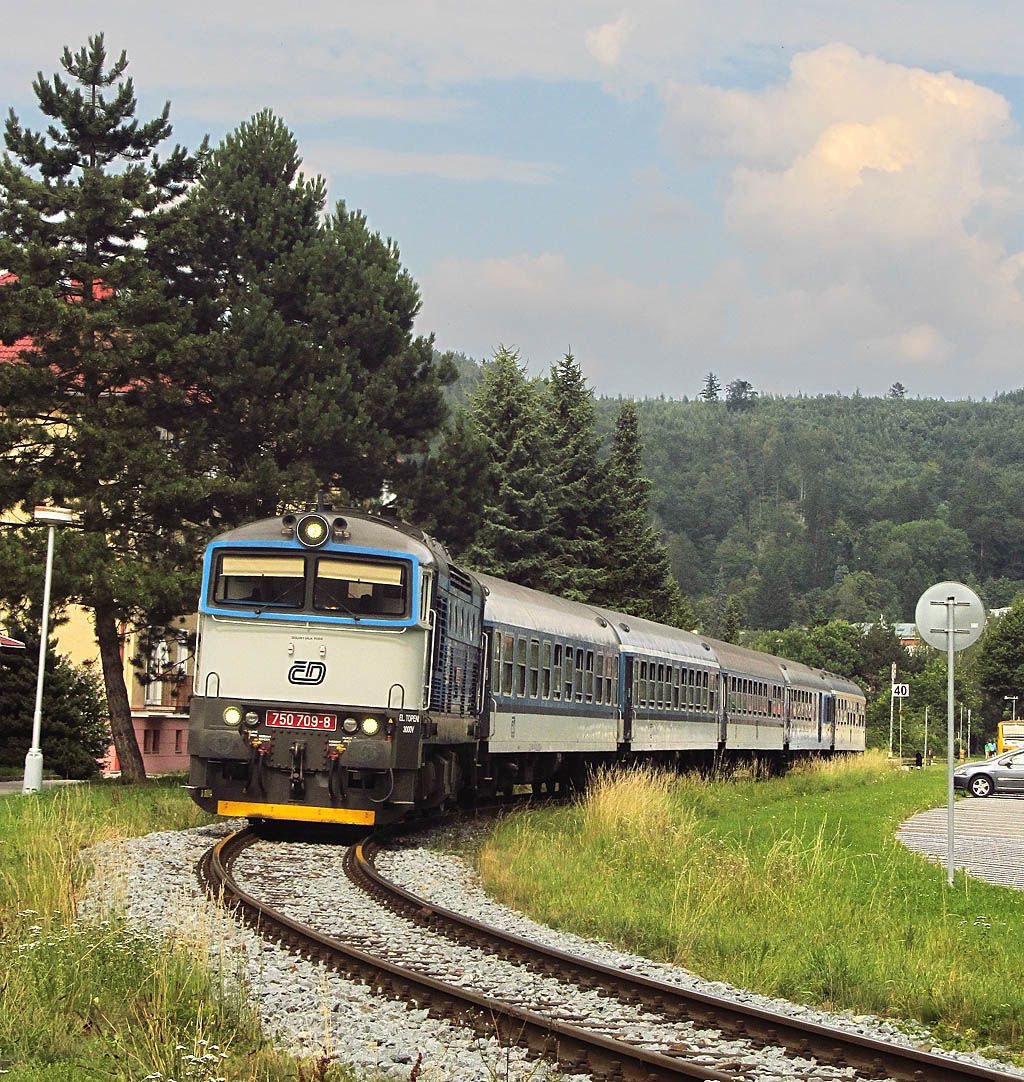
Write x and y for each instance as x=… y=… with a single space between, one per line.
x=34 y=759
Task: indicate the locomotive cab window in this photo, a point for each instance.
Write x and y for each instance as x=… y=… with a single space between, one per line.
x=374 y=588
x=263 y=581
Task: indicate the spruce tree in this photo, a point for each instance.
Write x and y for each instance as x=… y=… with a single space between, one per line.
x=638 y=577
x=88 y=406
x=453 y=488
x=711 y=389
x=732 y=621
x=75 y=733
x=514 y=540
x=576 y=483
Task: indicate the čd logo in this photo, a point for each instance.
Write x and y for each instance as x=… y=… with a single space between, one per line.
x=307 y=672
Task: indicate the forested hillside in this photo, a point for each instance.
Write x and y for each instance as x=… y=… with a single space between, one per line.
x=832 y=506
x=798 y=509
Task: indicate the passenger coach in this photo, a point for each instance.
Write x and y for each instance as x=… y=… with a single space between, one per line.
x=348 y=672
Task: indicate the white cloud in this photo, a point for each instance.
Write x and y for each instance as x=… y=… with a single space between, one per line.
x=865 y=176
x=604 y=42
x=341 y=160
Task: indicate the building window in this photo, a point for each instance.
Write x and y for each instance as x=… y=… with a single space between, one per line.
x=178 y=734
x=151 y=742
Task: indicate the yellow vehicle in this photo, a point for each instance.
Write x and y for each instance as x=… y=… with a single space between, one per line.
x=1011 y=735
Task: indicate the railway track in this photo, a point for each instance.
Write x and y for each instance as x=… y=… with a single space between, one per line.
x=660 y=1031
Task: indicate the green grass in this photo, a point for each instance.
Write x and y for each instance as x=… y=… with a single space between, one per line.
x=98 y=998
x=793 y=887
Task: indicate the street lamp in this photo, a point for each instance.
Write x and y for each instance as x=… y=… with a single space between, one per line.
x=1012 y=699
x=53 y=516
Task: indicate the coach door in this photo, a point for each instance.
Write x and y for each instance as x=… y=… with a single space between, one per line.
x=627 y=699
x=489 y=676
x=827 y=719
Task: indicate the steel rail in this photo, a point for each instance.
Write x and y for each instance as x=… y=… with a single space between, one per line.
x=571 y=1047
x=828 y=1044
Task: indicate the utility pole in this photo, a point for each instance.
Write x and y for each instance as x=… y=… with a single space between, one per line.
x=926 y=736
x=892 y=685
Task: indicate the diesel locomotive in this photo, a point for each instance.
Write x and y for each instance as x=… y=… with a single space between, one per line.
x=347 y=671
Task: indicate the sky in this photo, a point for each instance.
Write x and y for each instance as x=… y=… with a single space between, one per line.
x=813 y=197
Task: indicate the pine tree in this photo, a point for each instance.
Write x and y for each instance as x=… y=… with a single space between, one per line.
x=514 y=540
x=86 y=405
x=711 y=389
x=576 y=483
x=639 y=577
x=306 y=372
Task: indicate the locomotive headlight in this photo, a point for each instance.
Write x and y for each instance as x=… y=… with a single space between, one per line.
x=370 y=726
x=232 y=715
x=350 y=725
x=312 y=531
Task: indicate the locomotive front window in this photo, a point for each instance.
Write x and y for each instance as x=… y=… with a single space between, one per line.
x=374 y=588
x=264 y=581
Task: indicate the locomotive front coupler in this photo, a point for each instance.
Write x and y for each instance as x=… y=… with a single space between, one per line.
x=298 y=777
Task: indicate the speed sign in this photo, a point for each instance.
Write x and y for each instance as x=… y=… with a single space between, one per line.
x=901 y=691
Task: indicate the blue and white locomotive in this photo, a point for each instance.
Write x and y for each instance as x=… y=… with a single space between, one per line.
x=348 y=672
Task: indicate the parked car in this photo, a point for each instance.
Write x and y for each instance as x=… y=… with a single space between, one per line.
x=1002 y=774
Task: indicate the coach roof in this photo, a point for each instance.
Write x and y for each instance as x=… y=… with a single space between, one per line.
x=519 y=606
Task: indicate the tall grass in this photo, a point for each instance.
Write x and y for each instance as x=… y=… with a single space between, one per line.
x=96 y=996
x=794 y=887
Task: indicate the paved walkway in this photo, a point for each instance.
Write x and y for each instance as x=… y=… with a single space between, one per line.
x=8 y=787
x=988 y=837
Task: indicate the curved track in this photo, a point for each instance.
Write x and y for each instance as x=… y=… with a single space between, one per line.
x=574 y=1047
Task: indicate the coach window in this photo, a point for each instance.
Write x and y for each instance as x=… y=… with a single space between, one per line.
x=534 y=668
x=599 y=678
x=545 y=670
x=578 y=683
x=521 y=666
x=641 y=684
x=507 y=663
x=588 y=678
x=556 y=673
x=495 y=662
x=567 y=675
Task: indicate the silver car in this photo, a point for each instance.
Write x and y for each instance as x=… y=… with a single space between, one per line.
x=1002 y=774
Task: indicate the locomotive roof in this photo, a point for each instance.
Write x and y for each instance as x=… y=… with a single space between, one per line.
x=365 y=531
x=510 y=603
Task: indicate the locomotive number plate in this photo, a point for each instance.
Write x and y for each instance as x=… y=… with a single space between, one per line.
x=294 y=719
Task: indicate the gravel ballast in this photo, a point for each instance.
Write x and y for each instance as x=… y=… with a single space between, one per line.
x=309 y=1009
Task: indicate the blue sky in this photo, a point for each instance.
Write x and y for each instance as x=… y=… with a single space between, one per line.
x=812 y=197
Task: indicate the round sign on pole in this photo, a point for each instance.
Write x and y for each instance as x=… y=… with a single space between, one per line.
x=968 y=615
x=949 y=617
